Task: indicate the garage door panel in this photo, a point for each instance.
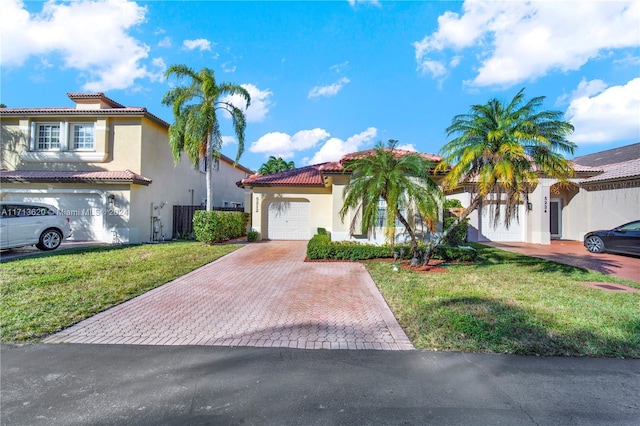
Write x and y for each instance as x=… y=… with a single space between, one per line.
x=288 y=220
x=85 y=211
x=515 y=232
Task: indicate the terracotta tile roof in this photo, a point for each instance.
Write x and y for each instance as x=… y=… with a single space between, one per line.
x=28 y=176
x=623 y=170
x=115 y=110
x=584 y=169
x=314 y=175
x=398 y=152
x=101 y=96
x=302 y=176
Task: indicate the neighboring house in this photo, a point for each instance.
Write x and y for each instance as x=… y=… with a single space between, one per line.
x=604 y=193
x=293 y=204
x=107 y=166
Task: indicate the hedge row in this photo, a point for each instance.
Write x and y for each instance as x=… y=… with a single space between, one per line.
x=218 y=226
x=321 y=247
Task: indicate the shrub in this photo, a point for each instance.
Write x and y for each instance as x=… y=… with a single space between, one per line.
x=217 y=226
x=460 y=254
x=321 y=247
x=252 y=235
x=458 y=236
x=322 y=231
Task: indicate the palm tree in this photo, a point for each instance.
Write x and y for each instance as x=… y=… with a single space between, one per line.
x=402 y=180
x=196 y=129
x=503 y=149
x=275 y=165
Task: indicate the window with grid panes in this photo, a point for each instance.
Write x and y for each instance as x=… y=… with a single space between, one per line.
x=48 y=137
x=83 y=137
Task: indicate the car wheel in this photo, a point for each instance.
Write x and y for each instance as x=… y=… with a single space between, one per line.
x=594 y=244
x=50 y=240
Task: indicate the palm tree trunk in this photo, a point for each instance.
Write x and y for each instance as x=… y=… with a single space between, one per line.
x=412 y=234
x=436 y=242
x=209 y=173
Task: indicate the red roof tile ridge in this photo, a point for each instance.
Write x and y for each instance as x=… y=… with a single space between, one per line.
x=97 y=95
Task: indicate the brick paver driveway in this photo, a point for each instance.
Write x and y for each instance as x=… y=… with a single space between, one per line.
x=261 y=295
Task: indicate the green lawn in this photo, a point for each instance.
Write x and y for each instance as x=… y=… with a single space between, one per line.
x=49 y=292
x=509 y=303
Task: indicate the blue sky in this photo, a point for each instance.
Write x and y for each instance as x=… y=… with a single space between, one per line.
x=332 y=77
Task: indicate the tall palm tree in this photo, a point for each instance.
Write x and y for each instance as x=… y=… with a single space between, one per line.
x=503 y=149
x=275 y=165
x=196 y=129
x=402 y=180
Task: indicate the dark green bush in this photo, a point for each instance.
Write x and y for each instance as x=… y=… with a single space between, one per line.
x=321 y=247
x=322 y=231
x=460 y=253
x=252 y=235
x=458 y=236
x=218 y=226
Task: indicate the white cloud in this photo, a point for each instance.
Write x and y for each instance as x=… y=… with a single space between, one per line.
x=227 y=67
x=166 y=42
x=353 y=3
x=407 y=147
x=201 y=44
x=260 y=103
x=521 y=41
x=601 y=114
x=284 y=145
x=229 y=140
x=330 y=90
x=339 y=68
x=90 y=36
x=335 y=148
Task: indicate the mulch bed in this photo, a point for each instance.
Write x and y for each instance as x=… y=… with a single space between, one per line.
x=404 y=264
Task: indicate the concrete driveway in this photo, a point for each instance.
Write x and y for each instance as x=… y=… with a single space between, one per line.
x=575 y=254
x=264 y=294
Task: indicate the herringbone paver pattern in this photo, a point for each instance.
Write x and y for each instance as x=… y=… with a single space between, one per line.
x=261 y=295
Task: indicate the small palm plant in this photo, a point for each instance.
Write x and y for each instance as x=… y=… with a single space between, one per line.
x=402 y=180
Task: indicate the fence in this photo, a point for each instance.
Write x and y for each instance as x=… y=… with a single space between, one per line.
x=183 y=218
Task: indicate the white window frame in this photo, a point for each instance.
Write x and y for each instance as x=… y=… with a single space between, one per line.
x=35 y=140
x=72 y=136
x=65 y=136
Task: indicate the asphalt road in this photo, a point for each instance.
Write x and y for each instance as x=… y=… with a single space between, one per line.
x=152 y=385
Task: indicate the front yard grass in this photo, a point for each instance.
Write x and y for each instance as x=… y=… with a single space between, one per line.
x=46 y=293
x=509 y=303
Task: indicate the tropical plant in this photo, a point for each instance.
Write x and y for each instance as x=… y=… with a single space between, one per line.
x=275 y=165
x=399 y=178
x=500 y=151
x=196 y=129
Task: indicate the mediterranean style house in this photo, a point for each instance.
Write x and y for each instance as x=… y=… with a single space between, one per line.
x=604 y=193
x=293 y=204
x=107 y=166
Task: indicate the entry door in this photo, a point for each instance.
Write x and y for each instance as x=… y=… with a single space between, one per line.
x=555 y=218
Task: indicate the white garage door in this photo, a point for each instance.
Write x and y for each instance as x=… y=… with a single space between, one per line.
x=500 y=233
x=288 y=220
x=84 y=209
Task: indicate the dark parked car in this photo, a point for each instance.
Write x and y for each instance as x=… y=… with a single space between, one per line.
x=623 y=239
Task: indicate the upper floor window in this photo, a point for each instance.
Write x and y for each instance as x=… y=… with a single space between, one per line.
x=83 y=137
x=202 y=164
x=62 y=136
x=48 y=137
